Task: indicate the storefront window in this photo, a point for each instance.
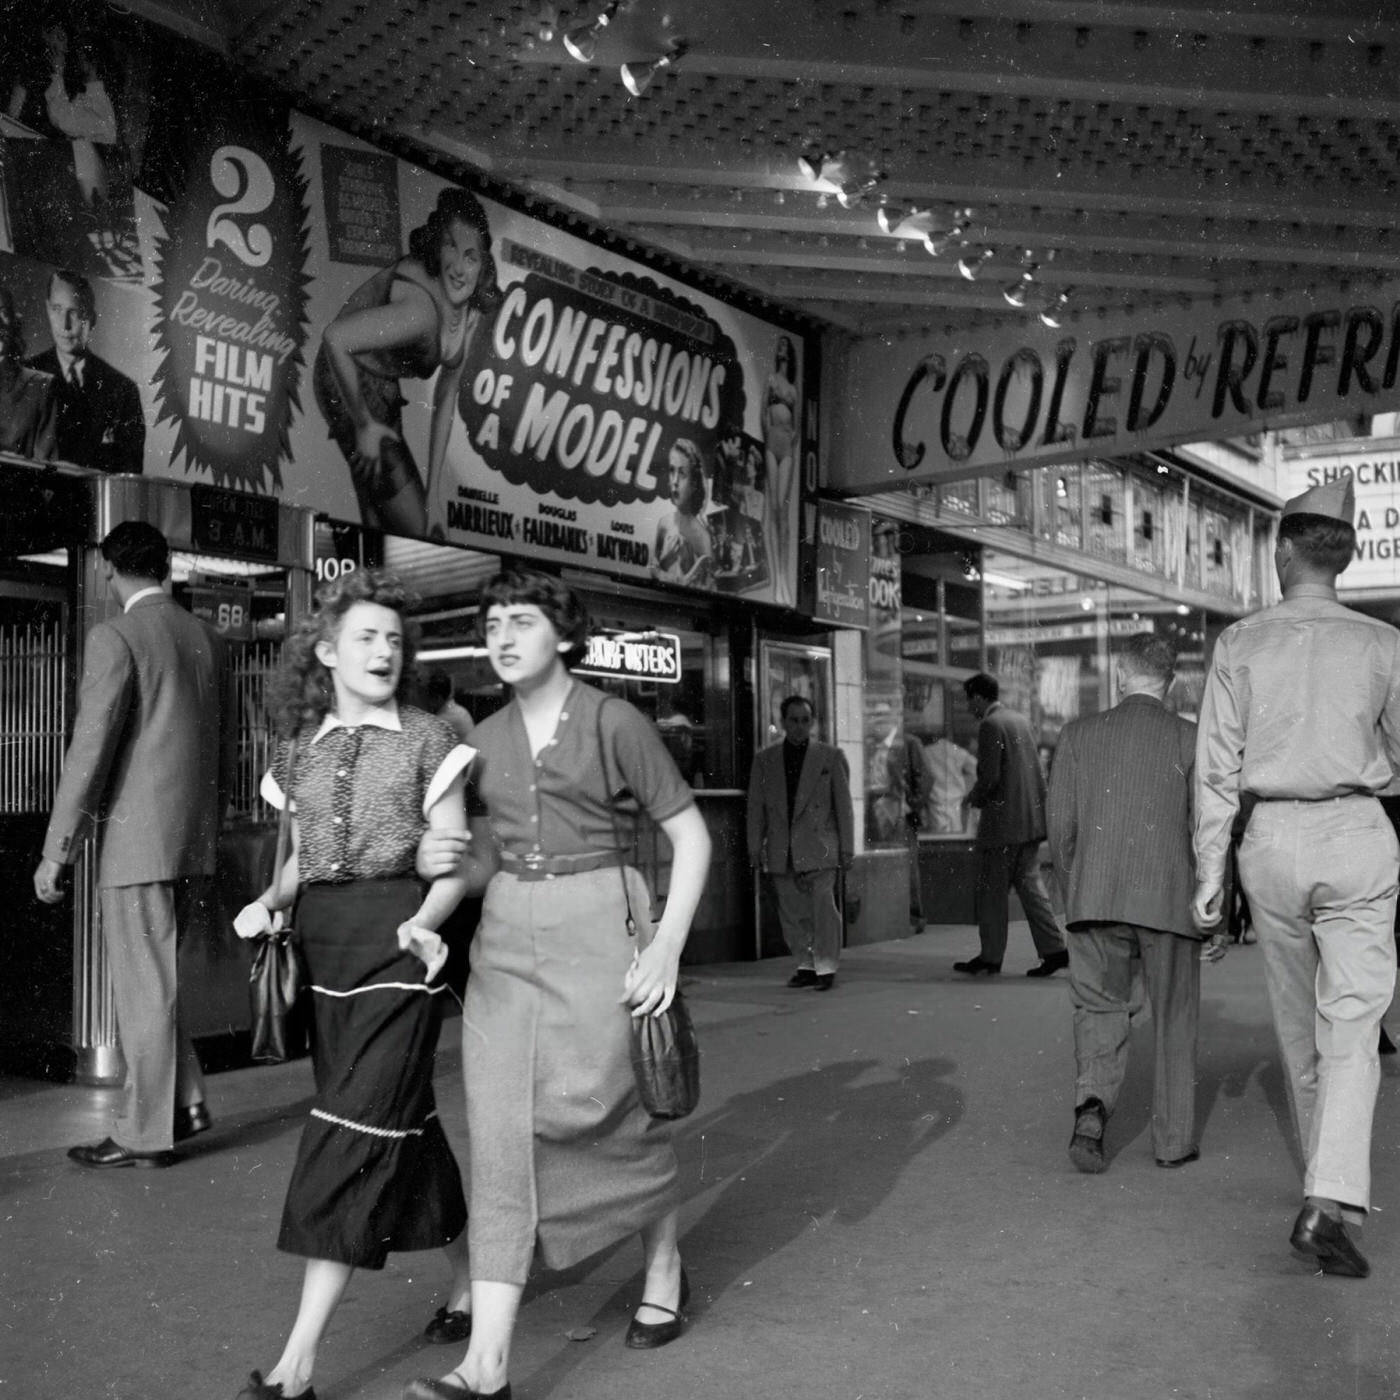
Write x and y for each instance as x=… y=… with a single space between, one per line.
x=1104 y=503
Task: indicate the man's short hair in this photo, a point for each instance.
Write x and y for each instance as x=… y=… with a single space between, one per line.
x=792 y=700
x=137 y=550
x=82 y=289
x=1149 y=655
x=982 y=685
x=1320 y=540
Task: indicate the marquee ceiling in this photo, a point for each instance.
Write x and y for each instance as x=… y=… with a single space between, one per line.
x=1137 y=153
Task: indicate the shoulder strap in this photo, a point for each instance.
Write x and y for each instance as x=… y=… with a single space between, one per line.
x=284 y=817
x=612 y=800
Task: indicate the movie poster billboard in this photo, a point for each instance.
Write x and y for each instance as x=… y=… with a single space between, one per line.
x=274 y=306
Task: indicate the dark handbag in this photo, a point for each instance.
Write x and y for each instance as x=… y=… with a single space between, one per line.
x=665 y=1052
x=276 y=985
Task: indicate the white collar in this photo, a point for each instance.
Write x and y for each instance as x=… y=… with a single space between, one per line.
x=386 y=717
x=144 y=593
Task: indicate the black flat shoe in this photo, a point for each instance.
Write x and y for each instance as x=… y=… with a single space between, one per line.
x=825 y=981
x=1194 y=1155
x=803 y=977
x=426 y=1389
x=258 y=1389
x=449 y=1325
x=976 y=967
x=1049 y=966
x=108 y=1153
x=644 y=1336
x=1315 y=1233
x=192 y=1120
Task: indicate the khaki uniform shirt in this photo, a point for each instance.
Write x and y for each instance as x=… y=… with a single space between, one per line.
x=1302 y=701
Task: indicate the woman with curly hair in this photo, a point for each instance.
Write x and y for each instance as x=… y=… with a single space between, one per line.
x=564 y=1158
x=683 y=548
x=412 y=320
x=365 y=775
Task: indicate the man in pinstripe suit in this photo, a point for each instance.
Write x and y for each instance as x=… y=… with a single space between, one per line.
x=1119 y=826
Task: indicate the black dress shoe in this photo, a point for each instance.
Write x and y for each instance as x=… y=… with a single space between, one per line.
x=1049 y=966
x=1194 y=1155
x=258 y=1389
x=454 y=1389
x=644 y=1336
x=803 y=977
x=1086 y=1145
x=1326 y=1240
x=977 y=967
x=112 y=1154
x=192 y=1120
x=449 y=1325
x=825 y=981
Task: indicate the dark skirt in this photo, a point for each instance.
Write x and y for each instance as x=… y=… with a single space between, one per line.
x=374 y=1172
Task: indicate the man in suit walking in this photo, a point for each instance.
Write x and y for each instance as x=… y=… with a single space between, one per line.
x=145 y=772
x=99 y=418
x=1301 y=715
x=1119 y=823
x=1010 y=792
x=801 y=831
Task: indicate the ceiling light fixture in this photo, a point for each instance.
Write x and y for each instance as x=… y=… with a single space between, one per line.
x=1017 y=293
x=903 y=222
x=1053 y=312
x=637 y=76
x=971 y=267
x=855 y=188
x=815 y=163
x=582 y=43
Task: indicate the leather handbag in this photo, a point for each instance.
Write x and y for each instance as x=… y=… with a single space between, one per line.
x=276 y=982
x=665 y=1051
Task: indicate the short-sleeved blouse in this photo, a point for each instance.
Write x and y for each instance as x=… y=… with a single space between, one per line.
x=556 y=803
x=362 y=794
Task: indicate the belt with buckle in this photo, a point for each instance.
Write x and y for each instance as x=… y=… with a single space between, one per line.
x=538 y=866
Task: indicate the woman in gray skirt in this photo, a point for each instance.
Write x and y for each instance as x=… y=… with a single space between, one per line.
x=564 y=1158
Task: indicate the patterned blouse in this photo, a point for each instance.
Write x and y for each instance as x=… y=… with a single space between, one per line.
x=362 y=793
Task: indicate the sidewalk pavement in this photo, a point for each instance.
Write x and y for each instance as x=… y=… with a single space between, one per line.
x=878 y=1206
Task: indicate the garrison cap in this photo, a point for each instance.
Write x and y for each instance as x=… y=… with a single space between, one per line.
x=1335 y=499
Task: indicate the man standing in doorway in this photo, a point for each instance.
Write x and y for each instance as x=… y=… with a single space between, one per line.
x=1119 y=824
x=1010 y=793
x=1301 y=714
x=144 y=770
x=801 y=830
x=100 y=423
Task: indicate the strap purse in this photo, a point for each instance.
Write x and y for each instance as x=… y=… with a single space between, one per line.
x=276 y=981
x=665 y=1051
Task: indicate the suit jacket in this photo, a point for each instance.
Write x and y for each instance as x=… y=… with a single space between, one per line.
x=28 y=415
x=146 y=764
x=1120 y=817
x=100 y=424
x=822 y=832
x=1010 y=787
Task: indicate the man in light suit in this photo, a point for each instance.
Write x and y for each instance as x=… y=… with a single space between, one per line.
x=1119 y=820
x=1010 y=793
x=145 y=772
x=100 y=422
x=801 y=831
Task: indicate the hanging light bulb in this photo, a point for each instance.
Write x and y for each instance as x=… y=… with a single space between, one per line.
x=582 y=43
x=546 y=22
x=1017 y=293
x=854 y=188
x=637 y=76
x=1053 y=312
x=813 y=162
x=971 y=268
x=893 y=220
x=937 y=243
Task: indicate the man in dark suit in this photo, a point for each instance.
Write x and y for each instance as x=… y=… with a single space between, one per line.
x=1010 y=792
x=100 y=422
x=1119 y=819
x=145 y=771
x=801 y=831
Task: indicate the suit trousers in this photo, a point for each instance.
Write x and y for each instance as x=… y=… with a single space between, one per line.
x=999 y=868
x=1321 y=882
x=811 y=918
x=1101 y=962
x=141 y=927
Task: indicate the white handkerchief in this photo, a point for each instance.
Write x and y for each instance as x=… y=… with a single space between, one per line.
x=425 y=945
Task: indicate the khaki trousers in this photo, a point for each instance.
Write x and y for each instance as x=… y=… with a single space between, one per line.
x=140 y=930
x=1321 y=882
x=811 y=918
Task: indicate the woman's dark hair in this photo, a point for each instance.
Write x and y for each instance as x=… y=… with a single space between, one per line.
x=687 y=449
x=1323 y=542
x=785 y=355
x=456 y=206
x=302 y=692
x=137 y=550
x=558 y=602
